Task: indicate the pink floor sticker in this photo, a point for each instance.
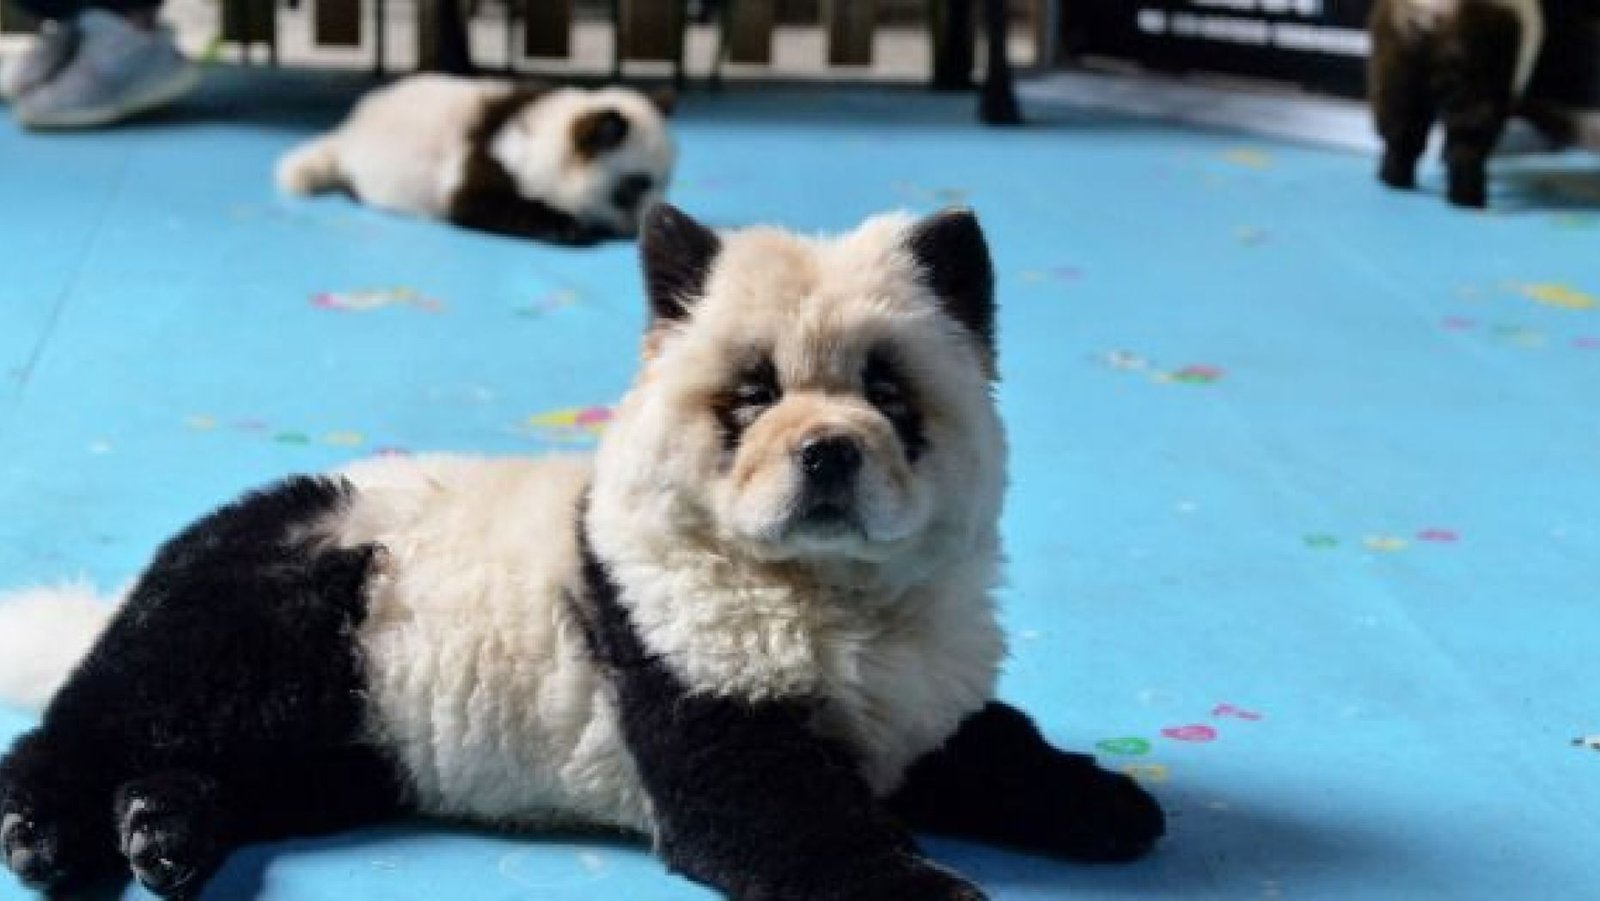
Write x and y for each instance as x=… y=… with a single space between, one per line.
x=1198 y=732
x=367 y=300
x=574 y=425
x=1238 y=713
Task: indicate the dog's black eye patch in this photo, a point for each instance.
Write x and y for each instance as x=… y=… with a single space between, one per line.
x=886 y=388
x=753 y=390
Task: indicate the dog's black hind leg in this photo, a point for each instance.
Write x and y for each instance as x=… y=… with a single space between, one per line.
x=55 y=825
x=172 y=829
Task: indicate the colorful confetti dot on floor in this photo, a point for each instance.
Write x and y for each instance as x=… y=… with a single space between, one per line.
x=573 y=425
x=1197 y=733
x=1148 y=772
x=1248 y=157
x=343 y=439
x=200 y=422
x=1127 y=746
x=1238 y=713
x=1553 y=294
x=367 y=300
x=1198 y=374
x=1385 y=544
x=1321 y=542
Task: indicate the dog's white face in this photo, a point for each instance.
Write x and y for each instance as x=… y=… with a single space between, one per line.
x=604 y=156
x=813 y=399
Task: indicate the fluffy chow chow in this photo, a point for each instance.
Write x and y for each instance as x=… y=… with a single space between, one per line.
x=567 y=165
x=757 y=627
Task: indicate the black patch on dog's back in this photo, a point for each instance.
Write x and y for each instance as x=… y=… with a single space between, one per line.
x=488 y=198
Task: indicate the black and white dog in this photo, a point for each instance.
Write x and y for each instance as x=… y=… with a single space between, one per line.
x=757 y=627
x=566 y=165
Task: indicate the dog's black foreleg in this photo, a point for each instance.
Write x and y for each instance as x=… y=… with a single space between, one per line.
x=748 y=800
x=997 y=780
x=745 y=795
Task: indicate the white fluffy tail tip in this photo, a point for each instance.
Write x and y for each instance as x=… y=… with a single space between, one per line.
x=44 y=632
x=309 y=169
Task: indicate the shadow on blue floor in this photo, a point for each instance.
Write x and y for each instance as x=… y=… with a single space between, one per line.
x=1303 y=516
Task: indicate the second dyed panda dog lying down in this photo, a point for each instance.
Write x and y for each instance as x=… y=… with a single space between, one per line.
x=757 y=627
x=566 y=165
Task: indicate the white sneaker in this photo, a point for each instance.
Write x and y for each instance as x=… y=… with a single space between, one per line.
x=49 y=54
x=119 y=71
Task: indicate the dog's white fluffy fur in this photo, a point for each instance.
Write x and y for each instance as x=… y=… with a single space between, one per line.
x=404 y=147
x=480 y=681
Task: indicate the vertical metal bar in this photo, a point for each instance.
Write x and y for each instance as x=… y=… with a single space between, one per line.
x=380 y=41
x=850 y=25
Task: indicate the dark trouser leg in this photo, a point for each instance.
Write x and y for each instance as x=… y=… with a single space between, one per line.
x=1402 y=105
x=998 y=105
x=997 y=780
x=455 y=50
x=1475 y=74
x=952 y=42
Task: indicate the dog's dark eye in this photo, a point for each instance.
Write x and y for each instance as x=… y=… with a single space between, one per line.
x=886 y=394
x=882 y=385
x=756 y=394
x=886 y=390
x=754 y=390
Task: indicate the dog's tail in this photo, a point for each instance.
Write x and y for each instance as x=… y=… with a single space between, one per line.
x=44 y=632
x=311 y=168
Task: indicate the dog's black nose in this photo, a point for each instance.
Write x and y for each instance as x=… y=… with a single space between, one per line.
x=630 y=190
x=830 y=461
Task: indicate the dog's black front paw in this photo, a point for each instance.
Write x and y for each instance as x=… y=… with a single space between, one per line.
x=30 y=848
x=1107 y=817
x=169 y=829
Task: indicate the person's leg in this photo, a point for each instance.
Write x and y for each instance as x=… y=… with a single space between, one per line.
x=124 y=63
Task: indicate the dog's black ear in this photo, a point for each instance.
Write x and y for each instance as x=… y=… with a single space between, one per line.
x=950 y=248
x=677 y=253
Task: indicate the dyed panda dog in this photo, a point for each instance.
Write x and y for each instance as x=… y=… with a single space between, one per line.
x=1465 y=62
x=756 y=627
x=567 y=165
